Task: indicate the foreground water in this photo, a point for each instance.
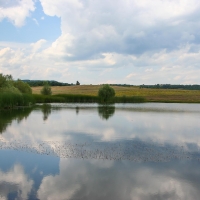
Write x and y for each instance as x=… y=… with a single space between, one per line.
x=85 y=151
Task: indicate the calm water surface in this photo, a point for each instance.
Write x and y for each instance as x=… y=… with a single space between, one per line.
x=85 y=151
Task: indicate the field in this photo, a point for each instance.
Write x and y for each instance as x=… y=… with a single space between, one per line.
x=151 y=95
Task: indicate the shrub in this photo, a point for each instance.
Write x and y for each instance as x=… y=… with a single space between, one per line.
x=46 y=90
x=106 y=93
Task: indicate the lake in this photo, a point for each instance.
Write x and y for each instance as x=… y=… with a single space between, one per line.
x=86 y=151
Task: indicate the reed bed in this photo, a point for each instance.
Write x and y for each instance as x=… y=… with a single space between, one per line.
x=39 y=98
x=12 y=100
x=77 y=98
x=129 y=99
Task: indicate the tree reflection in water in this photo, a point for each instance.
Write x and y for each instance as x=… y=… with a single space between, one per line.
x=106 y=111
x=7 y=116
x=46 y=109
x=77 y=110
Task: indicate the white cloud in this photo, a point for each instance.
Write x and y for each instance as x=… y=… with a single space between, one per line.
x=38 y=45
x=124 y=27
x=42 y=60
x=36 y=21
x=149 y=70
x=131 y=75
x=109 y=42
x=16 y=11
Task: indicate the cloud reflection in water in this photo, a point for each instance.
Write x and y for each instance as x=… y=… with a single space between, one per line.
x=161 y=140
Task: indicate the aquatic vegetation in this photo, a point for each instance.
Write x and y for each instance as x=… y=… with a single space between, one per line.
x=39 y=98
x=78 y=98
x=12 y=100
x=129 y=99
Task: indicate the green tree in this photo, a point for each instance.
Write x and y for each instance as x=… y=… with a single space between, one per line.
x=106 y=93
x=2 y=80
x=5 y=80
x=46 y=90
x=23 y=87
x=6 y=84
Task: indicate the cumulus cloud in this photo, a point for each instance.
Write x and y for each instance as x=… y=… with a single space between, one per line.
x=109 y=42
x=16 y=10
x=125 y=27
x=38 y=45
x=42 y=60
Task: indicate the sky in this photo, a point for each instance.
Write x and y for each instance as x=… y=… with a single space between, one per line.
x=101 y=41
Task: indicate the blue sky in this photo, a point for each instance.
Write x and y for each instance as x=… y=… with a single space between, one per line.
x=94 y=42
x=37 y=26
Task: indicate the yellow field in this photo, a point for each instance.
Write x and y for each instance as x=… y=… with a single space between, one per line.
x=161 y=95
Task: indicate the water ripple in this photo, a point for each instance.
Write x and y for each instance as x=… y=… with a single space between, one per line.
x=137 y=151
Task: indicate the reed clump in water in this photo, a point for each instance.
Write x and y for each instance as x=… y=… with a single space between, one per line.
x=12 y=100
x=78 y=98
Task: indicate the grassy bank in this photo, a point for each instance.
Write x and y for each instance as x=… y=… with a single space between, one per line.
x=150 y=95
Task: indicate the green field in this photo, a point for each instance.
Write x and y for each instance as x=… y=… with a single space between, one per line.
x=151 y=95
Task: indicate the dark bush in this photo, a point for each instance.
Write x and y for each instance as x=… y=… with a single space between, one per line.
x=106 y=93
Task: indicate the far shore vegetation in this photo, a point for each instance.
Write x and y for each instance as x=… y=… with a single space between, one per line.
x=124 y=93
x=17 y=93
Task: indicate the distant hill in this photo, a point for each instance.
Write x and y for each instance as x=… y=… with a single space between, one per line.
x=34 y=83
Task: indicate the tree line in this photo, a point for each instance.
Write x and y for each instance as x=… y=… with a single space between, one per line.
x=169 y=86
x=35 y=83
x=162 y=86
